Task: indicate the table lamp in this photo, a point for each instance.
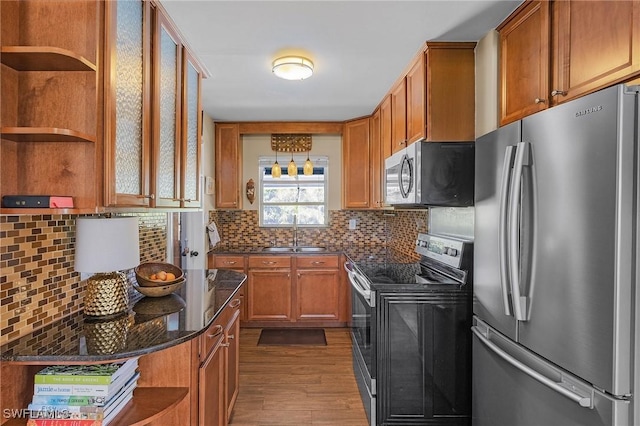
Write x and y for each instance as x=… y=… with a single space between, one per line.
x=105 y=247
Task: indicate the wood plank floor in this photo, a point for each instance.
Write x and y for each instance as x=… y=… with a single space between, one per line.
x=297 y=385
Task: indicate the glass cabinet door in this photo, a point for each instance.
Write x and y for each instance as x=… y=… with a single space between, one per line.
x=167 y=86
x=126 y=105
x=192 y=128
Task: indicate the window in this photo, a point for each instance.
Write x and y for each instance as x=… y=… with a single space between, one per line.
x=286 y=197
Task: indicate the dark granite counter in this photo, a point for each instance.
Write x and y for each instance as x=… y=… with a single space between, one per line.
x=151 y=324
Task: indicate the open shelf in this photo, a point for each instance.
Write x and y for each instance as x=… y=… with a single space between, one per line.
x=44 y=134
x=148 y=404
x=43 y=58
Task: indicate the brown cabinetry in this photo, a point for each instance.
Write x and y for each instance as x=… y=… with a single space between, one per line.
x=228 y=166
x=416 y=101
x=317 y=288
x=235 y=262
x=356 y=165
x=152 y=110
x=552 y=52
x=398 y=97
x=300 y=290
x=49 y=55
x=211 y=401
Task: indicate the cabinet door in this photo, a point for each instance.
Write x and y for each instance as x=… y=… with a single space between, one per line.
x=385 y=128
x=192 y=131
x=524 y=62
x=399 y=116
x=228 y=166
x=596 y=44
x=318 y=294
x=232 y=334
x=377 y=161
x=356 y=164
x=211 y=390
x=127 y=82
x=269 y=295
x=167 y=102
x=424 y=348
x=416 y=100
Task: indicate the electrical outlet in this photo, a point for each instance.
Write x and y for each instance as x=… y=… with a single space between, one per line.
x=353 y=223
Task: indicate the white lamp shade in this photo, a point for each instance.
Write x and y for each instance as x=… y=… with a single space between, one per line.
x=106 y=245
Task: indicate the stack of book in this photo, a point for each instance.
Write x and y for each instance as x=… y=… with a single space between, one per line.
x=82 y=395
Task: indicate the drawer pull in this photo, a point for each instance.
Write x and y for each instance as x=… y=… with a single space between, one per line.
x=225 y=345
x=317 y=262
x=235 y=303
x=269 y=262
x=558 y=92
x=230 y=262
x=216 y=333
x=231 y=337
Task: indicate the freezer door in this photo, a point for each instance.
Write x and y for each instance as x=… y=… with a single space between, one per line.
x=514 y=387
x=576 y=227
x=494 y=161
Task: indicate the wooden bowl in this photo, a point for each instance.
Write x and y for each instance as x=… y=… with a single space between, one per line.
x=145 y=270
x=160 y=290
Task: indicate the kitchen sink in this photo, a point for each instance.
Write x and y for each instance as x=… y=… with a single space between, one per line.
x=298 y=249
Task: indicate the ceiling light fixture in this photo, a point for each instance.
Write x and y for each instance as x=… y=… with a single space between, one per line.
x=293 y=67
x=308 y=166
x=292 y=170
x=276 y=171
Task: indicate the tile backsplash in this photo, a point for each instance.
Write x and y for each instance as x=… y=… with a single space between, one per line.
x=38 y=283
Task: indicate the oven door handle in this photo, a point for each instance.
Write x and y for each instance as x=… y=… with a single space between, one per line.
x=356 y=284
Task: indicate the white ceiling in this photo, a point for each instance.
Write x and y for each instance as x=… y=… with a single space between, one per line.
x=359 y=49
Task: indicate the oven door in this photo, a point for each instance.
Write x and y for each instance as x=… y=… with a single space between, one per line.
x=363 y=336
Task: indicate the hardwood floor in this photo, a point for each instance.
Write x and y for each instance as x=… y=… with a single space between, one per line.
x=297 y=385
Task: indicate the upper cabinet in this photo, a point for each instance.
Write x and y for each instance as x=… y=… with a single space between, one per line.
x=228 y=166
x=552 y=52
x=49 y=122
x=435 y=99
x=356 y=165
x=152 y=110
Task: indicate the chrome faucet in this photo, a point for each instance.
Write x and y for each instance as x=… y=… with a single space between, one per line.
x=295 y=230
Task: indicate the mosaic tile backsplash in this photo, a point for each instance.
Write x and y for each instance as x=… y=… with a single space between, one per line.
x=37 y=282
x=394 y=229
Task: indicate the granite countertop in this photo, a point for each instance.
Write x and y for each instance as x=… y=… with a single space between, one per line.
x=356 y=252
x=151 y=324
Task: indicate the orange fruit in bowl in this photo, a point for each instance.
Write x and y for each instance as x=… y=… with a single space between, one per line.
x=153 y=277
x=170 y=276
x=162 y=276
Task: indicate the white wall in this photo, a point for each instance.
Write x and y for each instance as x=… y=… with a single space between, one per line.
x=255 y=146
x=487 y=83
x=208 y=159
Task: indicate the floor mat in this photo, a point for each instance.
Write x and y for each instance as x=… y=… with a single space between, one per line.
x=292 y=336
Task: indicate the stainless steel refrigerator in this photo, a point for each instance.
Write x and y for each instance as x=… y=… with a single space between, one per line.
x=556 y=264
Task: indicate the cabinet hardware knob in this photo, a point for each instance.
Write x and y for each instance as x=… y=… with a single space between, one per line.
x=151 y=197
x=558 y=92
x=225 y=345
x=298 y=275
x=540 y=101
x=231 y=337
x=218 y=329
x=235 y=303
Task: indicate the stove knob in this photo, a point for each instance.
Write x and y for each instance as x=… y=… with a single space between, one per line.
x=453 y=252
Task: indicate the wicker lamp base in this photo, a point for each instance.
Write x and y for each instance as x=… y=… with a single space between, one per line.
x=106 y=294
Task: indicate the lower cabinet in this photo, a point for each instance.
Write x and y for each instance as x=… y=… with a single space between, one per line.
x=218 y=368
x=298 y=290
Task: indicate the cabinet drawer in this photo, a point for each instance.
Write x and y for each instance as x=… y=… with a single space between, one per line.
x=212 y=337
x=229 y=262
x=315 y=261
x=269 y=262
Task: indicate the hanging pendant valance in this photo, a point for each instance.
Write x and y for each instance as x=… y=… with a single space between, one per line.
x=291 y=142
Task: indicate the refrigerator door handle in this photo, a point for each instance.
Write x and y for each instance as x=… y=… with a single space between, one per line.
x=519 y=302
x=577 y=392
x=503 y=242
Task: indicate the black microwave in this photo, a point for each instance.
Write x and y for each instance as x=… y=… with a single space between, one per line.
x=431 y=174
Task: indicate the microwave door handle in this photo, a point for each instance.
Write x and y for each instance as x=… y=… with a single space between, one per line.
x=405 y=160
x=519 y=303
x=503 y=242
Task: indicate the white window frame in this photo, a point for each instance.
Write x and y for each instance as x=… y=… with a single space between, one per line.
x=267 y=162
